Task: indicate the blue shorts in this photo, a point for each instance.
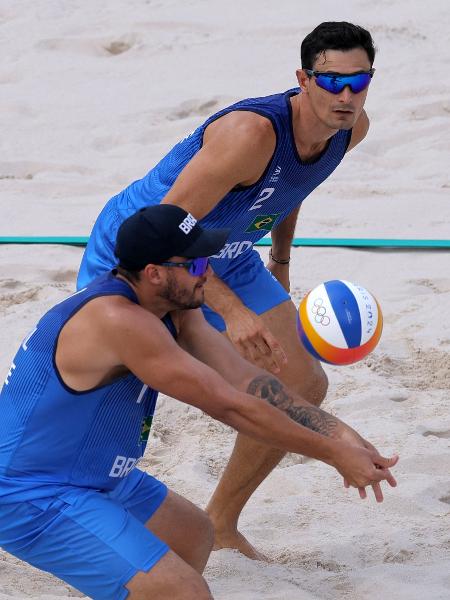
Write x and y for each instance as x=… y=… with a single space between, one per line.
x=249 y=279
x=95 y=541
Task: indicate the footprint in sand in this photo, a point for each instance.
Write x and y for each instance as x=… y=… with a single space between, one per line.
x=398 y=556
x=312 y=561
x=421 y=370
x=430 y=110
x=398 y=398
x=9 y=284
x=193 y=108
x=64 y=276
x=7 y=300
x=440 y=434
x=118 y=47
x=90 y=46
x=398 y=33
x=439 y=286
x=19 y=169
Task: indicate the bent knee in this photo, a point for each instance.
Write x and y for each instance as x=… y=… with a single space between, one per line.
x=319 y=386
x=312 y=385
x=172 y=578
x=190 y=588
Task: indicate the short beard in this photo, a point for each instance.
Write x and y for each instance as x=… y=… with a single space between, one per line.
x=178 y=297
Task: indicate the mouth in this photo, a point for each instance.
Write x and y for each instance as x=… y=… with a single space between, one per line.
x=343 y=111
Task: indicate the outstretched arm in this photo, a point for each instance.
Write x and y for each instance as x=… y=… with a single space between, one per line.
x=236 y=150
x=244 y=328
x=199 y=339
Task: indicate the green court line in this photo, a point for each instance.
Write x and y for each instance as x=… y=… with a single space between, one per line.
x=363 y=243
x=335 y=242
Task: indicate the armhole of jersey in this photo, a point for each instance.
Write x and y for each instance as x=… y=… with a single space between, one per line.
x=72 y=314
x=171 y=324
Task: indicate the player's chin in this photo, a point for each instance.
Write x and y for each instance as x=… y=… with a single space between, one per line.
x=199 y=297
x=343 y=120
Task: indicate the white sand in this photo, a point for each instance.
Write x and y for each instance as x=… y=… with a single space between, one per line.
x=81 y=121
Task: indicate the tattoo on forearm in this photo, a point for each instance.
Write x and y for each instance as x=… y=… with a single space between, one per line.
x=272 y=390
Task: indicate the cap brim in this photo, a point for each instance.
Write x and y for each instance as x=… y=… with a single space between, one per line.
x=208 y=243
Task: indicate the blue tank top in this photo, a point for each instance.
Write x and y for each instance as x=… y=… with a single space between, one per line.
x=251 y=212
x=52 y=437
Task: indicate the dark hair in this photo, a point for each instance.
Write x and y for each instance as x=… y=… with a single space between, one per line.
x=335 y=35
x=131 y=275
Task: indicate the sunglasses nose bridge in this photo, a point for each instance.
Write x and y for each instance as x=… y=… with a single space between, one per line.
x=346 y=92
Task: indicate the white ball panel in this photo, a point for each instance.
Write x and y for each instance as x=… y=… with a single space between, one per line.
x=323 y=318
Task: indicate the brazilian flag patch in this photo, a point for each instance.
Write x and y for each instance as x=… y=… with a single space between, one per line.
x=145 y=431
x=263 y=222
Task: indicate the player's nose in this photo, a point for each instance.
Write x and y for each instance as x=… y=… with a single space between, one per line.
x=346 y=95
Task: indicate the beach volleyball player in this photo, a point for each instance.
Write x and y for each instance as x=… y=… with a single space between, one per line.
x=249 y=167
x=77 y=406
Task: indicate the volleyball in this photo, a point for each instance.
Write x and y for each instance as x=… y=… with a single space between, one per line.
x=339 y=322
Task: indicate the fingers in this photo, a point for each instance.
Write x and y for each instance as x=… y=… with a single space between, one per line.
x=263 y=350
x=264 y=356
x=255 y=342
x=374 y=475
x=275 y=348
x=377 y=492
x=383 y=462
x=391 y=479
x=384 y=475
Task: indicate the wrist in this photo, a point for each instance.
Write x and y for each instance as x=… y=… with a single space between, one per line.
x=328 y=451
x=231 y=307
x=280 y=260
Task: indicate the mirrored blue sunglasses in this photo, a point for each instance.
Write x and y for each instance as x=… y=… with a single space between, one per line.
x=196 y=267
x=336 y=82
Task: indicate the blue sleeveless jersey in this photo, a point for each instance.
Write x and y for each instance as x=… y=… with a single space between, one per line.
x=53 y=438
x=251 y=212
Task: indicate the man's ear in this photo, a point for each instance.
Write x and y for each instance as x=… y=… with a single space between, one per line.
x=153 y=273
x=303 y=80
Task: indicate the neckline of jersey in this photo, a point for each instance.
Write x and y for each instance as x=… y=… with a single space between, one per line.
x=305 y=163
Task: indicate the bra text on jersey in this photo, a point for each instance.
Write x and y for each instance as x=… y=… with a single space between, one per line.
x=233 y=249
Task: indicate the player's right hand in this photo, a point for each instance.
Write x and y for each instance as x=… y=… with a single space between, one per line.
x=254 y=341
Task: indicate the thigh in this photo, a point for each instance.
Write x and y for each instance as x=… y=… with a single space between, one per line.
x=185 y=528
x=87 y=539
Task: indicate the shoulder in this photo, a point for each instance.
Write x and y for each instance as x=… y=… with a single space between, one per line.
x=359 y=131
x=113 y=315
x=243 y=127
x=245 y=142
